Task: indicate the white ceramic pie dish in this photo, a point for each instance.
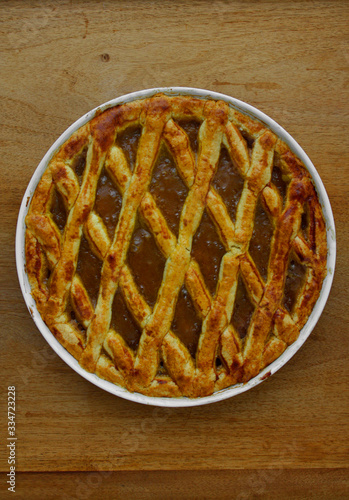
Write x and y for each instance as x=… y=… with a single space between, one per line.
x=230 y=391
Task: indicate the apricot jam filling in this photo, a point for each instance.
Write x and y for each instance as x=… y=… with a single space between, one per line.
x=59 y=213
x=243 y=310
x=278 y=181
x=260 y=242
x=186 y=324
x=80 y=164
x=295 y=277
x=108 y=202
x=168 y=189
x=89 y=269
x=228 y=183
x=128 y=141
x=123 y=322
x=146 y=261
x=208 y=251
x=191 y=128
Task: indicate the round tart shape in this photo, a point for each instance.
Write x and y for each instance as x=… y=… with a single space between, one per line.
x=175 y=246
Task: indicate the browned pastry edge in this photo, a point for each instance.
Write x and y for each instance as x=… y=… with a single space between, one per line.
x=103 y=351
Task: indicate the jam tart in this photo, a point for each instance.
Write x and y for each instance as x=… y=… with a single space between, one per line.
x=175 y=246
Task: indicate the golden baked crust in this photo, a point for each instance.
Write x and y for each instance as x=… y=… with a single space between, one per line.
x=51 y=257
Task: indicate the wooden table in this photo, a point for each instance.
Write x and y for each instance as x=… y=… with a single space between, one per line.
x=287 y=438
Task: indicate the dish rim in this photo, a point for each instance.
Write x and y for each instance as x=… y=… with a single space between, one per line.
x=229 y=391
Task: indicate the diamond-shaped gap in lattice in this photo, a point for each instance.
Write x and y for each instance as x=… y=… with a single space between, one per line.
x=243 y=309
x=295 y=278
x=128 y=141
x=218 y=362
x=46 y=277
x=260 y=242
x=73 y=318
x=123 y=322
x=79 y=165
x=58 y=210
x=162 y=368
x=208 y=250
x=279 y=180
x=249 y=141
x=167 y=188
x=305 y=223
x=108 y=202
x=146 y=262
x=191 y=128
x=228 y=182
x=186 y=323
x=89 y=269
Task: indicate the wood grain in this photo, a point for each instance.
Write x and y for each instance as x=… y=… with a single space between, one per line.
x=320 y=484
x=58 y=60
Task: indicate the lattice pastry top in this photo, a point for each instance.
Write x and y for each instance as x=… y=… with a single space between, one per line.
x=197 y=193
